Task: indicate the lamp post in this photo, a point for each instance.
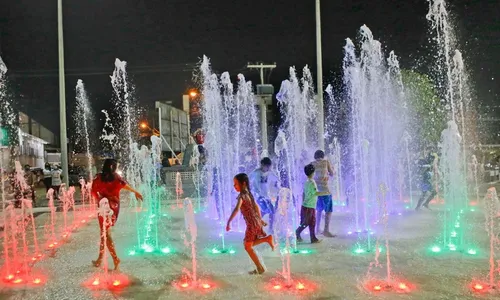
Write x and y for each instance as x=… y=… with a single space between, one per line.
x=62 y=95
x=319 y=63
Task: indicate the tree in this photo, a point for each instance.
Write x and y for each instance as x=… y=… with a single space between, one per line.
x=427 y=115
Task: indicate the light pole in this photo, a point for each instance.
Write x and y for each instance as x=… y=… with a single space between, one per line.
x=62 y=95
x=319 y=63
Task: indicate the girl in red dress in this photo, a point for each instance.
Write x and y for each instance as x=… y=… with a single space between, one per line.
x=108 y=185
x=254 y=234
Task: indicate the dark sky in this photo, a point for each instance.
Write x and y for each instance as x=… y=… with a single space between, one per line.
x=162 y=40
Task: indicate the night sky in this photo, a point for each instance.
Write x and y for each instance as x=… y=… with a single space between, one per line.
x=164 y=40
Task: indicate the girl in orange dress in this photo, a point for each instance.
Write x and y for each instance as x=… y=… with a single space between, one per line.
x=254 y=234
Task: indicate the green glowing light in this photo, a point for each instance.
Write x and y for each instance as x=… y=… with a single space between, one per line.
x=305 y=251
x=166 y=250
x=131 y=252
x=452 y=247
x=472 y=209
x=359 y=251
x=453 y=234
x=232 y=251
x=407 y=207
x=147 y=248
x=215 y=251
x=436 y=249
x=457 y=225
x=472 y=251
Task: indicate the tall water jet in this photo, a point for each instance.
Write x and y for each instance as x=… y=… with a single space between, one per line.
x=84 y=117
x=126 y=115
x=284 y=232
x=452 y=80
x=374 y=89
x=455 y=190
x=230 y=122
x=190 y=237
x=491 y=206
x=299 y=110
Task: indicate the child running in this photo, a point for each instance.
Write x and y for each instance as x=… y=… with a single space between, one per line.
x=254 y=234
x=308 y=210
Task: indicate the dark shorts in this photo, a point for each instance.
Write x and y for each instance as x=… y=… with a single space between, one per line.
x=325 y=204
x=307 y=216
x=266 y=206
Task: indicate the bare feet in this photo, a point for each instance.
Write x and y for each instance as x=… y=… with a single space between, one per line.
x=117 y=264
x=97 y=263
x=257 y=272
x=270 y=241
x=329 y=234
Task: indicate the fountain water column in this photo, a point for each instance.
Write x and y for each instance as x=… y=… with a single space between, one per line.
x=351 y=81
x=50 y=196
x=284 y=232
x=475 y=164
x=178 y=189
x=457 y=72
x=491 y=211
x=190 y=223
x=105 y=212
x=281 y=148
x=408 y=164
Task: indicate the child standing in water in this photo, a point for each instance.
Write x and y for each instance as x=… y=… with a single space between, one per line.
x=254 y=234
x=308 y=210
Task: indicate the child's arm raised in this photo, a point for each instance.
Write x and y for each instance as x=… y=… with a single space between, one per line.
x=233 y=214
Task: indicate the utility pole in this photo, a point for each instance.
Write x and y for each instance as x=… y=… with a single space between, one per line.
x=263 y=107
x=62 y=95
x=319 y=63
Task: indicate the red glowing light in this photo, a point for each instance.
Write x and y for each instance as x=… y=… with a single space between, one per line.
x=37 y=280
x=10 y=277
x=478 y=287
x=300 y=286
x=33 y=258
x=377 y=288
x=18 y=280
x=473 y=203
x=116 y=282
x=51 y=246
x=403 y=286
x=277 y=287
x=206 y=286
x=96 y=281
x=185 y=285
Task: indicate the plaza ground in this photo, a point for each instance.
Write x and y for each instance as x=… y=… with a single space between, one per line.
x=330 y=271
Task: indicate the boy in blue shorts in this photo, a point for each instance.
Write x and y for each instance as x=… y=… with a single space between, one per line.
x=322 y=176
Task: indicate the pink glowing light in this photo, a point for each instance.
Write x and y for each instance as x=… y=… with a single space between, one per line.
x=184 y=284
x=277 y=287
x=96 y=281
x=377 y=288
x=116 y=283
x=300 y=286
x=83 y=221
x=478 y=287
x=37 y=281
x=18 y=280
x=9 y=277
x=402 y=286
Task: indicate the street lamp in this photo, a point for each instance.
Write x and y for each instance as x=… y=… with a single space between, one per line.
x=193 y=94
x=319 y=63
x=144 y=125
x=62 y=95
